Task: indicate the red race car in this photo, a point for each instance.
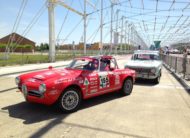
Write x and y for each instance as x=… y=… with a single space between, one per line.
x=84 y=78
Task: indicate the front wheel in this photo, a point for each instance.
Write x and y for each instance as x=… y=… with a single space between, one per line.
x=70 y=100
x=157 y=80
x=127 y=87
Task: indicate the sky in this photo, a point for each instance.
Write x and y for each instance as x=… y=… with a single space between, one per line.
x=165 y=20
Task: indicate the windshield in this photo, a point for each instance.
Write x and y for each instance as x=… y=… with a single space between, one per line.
x=146 y=57
x=84 y=64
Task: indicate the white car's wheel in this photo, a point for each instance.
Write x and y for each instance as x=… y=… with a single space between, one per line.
x=70 y=100
x=157 y=80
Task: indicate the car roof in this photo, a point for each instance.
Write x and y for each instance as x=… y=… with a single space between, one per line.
x=146 y=52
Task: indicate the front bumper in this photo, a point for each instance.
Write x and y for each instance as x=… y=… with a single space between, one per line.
x=37 y=97
x=146 y=76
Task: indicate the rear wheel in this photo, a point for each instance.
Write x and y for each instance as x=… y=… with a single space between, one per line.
x=127 y=87
x=70 y=100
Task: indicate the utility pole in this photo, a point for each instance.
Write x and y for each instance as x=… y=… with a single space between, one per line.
x=111 y=28
x=84 y=27
x=125 y=35
x=101 y=27
x=51 y=31
x=116 y=28
x=121 y=45
x=128 y=32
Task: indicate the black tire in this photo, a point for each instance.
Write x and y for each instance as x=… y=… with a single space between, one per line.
x=70 y=100
x=127 y=87
x=157 y=80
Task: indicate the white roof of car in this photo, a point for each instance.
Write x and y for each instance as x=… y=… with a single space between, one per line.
x=146 y=52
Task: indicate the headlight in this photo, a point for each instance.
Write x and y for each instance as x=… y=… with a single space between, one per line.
x=17 y=80
x=42 y=88
x=153 y=70
x=24 y=89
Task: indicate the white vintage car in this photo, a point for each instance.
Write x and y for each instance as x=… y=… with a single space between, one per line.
x=147 y=65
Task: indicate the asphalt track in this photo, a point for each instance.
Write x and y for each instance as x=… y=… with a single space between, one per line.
x=151 y=110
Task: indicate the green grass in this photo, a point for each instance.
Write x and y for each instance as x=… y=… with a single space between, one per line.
x=20 y=59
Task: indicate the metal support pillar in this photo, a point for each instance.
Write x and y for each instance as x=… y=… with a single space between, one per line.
x=51 y=31
x=101 y=28
x=84 y=27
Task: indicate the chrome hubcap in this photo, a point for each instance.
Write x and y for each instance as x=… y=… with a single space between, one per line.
x=70 y=100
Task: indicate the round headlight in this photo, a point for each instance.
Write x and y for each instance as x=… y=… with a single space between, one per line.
x=42 y=88
x=17 y=80
x=24 y=89
x=153 y=70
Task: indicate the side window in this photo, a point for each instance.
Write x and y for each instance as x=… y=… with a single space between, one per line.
x=105 y=65
x=112 y=64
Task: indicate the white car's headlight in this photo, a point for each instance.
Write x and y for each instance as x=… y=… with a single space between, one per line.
x=42 y=88
x=17 y=80
x=153 y=70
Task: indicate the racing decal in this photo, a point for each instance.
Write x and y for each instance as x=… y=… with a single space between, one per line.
x=117 y=79
x=93 y=87
x=80 y=82
x=92 y=75
x=93 y=78
x=59 y=81
x=93 y=91
x=39 y=77
x=93 y=83
x=31 y=80
x=104 y=81
x=86 y=82
x=48 y=73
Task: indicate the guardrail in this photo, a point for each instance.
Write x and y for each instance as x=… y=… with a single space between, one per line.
x=177 y=65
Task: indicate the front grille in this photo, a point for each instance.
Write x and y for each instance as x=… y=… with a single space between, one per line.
x=141 y=70
x=34 y=93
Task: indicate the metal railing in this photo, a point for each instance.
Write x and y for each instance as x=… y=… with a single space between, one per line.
x=176 y=64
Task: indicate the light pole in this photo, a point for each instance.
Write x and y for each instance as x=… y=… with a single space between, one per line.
x=121 y=38
x=125 y=35
x=111 y=28
x=101 y=27
x=51 y=31
x=116 y=29
x=84 y=27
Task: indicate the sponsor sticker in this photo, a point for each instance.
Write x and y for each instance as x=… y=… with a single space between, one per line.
x=86 y=82
x=93 y=91
x=117 y=79
x=104 y=81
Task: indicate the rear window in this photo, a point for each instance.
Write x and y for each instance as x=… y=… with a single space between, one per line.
x=146 y=57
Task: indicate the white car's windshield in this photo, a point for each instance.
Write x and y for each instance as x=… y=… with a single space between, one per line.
x=146 y=57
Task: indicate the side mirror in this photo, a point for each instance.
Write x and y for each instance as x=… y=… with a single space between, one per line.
x=50 y=67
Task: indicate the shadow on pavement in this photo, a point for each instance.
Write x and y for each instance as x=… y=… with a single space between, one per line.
x=144 y=82
x=32 y=112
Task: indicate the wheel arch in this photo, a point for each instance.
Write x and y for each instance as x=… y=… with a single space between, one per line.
x=127 y=77
x=75 y=86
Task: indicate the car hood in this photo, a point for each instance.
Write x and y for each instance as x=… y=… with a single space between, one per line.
x=53 y=74
x=145 y=64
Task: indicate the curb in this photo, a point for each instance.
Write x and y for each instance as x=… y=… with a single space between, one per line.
x=178 y=78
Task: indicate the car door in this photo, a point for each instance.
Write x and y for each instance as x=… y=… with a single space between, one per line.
x=115 y=75
x=104 y=76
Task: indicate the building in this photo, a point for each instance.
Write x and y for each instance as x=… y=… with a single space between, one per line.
x=20 y=40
